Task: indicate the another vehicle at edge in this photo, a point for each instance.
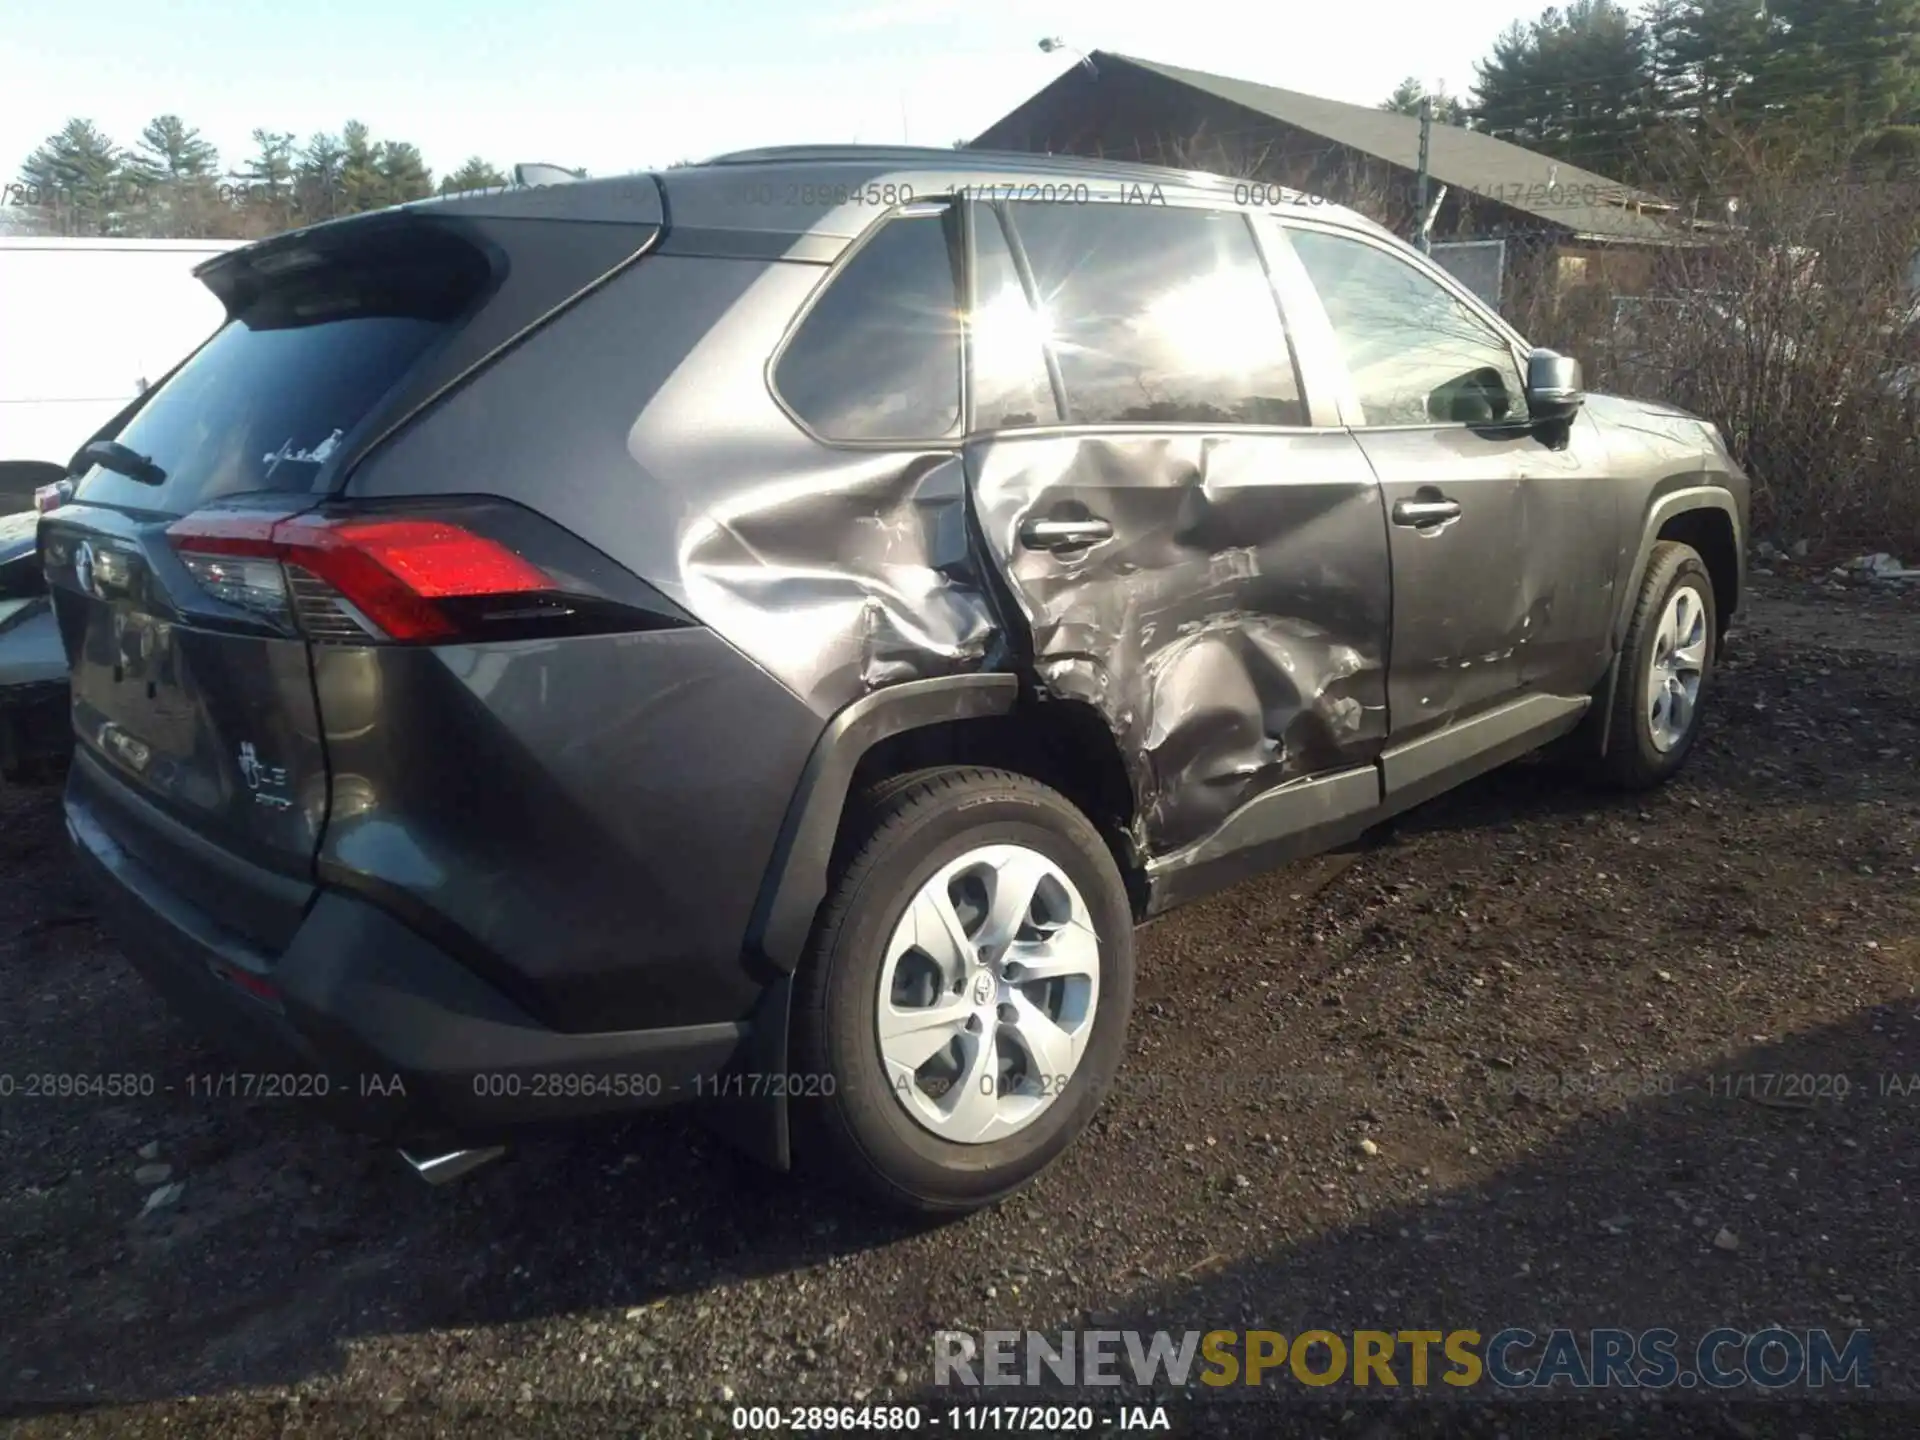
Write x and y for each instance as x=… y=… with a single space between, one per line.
x=34 y=732
x=764 y=633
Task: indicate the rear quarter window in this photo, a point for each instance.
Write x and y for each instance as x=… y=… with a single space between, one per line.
x=877 y=356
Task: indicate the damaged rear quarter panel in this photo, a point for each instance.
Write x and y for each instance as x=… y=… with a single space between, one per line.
x=1232 y=632
x=835 y=570
x=839 y=570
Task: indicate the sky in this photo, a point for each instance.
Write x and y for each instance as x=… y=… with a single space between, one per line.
x=626 y=86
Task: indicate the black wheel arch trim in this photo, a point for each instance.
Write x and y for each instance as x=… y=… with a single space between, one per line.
x=797 y=874
x=1694 y=496
x=1704 y=496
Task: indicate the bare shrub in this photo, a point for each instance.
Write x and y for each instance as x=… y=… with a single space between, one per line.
x=1795 y=328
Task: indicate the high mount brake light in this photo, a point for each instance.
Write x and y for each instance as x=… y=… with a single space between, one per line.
x=393 y=573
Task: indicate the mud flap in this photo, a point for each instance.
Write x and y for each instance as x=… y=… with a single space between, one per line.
x=749 y=1106
x=1587 y=741
x=1597 y=728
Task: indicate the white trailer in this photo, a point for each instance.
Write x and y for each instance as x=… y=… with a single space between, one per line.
x=86 y=326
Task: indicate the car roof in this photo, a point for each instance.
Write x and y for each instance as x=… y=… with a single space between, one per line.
x=809 y=201
x=931 y=172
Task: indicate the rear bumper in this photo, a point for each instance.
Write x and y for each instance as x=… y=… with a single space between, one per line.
x=382 y=1029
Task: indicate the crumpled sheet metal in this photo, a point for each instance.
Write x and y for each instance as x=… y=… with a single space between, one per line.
x=1232 y=632
x=835 y=570
x=850 y=576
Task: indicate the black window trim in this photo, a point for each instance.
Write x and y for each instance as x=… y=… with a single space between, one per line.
x=942 y=210
x=1351 y=410
x=994 y=213
x=1064 y=427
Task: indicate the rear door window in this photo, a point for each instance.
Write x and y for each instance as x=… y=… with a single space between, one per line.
x=878 y=355
x=264 y=403
x=1159 y=315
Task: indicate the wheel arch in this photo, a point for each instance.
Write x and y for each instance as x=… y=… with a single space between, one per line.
x=1066 y=745
x=1711 y=532
x=800 y=868
x=1705 y=517
x=960 y=719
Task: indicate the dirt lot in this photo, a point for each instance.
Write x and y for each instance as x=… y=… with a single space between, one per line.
x=1527 y=997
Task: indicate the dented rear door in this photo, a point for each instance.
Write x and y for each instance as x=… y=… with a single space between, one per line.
x=1192 y=555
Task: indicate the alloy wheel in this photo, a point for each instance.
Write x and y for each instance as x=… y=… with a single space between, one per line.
x=1679 y=665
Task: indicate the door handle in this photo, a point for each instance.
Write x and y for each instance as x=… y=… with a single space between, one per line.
x=1064 y=534
x=1424 y=513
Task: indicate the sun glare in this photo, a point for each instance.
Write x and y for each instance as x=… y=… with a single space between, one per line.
x=1219 y=324
x=1008 y=333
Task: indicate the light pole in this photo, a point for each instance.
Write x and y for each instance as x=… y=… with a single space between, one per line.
x=1053 y=43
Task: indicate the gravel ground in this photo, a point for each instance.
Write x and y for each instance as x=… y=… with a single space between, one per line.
x=1472 y=1074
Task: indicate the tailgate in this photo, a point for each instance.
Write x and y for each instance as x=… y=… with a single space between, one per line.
x=208 y=719
x=199 y=748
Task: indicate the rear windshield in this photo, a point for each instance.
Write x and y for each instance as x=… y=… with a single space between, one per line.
x=283 y=383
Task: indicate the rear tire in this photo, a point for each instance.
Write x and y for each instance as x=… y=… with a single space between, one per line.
x=1666 y=671
x=979 y=840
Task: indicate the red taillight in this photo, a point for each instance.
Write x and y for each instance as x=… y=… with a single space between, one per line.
x=392 y=570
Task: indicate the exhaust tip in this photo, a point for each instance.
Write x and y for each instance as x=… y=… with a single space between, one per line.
x=445 y=1167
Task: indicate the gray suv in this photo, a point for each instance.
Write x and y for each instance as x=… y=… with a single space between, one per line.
x=764 y=633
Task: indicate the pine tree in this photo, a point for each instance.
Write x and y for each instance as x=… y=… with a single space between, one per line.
x=266 y=182
x=78 y=176
x=362 y=187
x=1848 y=67
x=173 y=170
x=475 y=174
x=269 y=171
x=403 y=173
x=171 y=149
x=319 y=192
x=1407 y=95
x=1665 y=23
x=1508 y=86
x=1706 y=54
x=1574 y=84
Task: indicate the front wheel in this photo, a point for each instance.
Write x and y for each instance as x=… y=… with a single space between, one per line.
x=1666 y=669
x=965 y=1001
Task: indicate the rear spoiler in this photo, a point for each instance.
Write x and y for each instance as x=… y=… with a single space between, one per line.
x=620 y=200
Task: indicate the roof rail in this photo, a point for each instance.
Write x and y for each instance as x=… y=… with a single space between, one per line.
x=946 y=157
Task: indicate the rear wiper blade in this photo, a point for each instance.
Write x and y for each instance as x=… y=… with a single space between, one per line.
x=112 y=455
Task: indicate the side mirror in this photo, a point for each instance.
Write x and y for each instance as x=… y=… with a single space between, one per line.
x=1553 y=386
